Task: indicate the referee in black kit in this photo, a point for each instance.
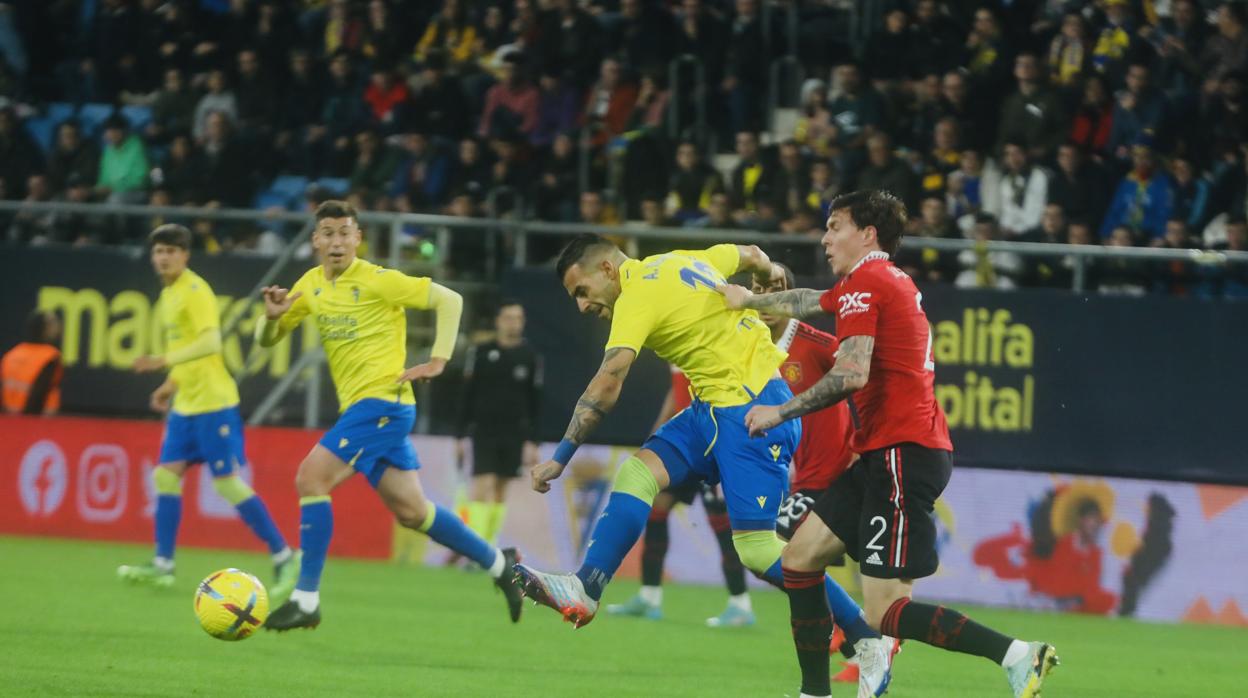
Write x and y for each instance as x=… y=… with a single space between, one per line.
x=503 y=378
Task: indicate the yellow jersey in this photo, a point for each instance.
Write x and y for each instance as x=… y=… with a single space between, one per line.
x=361 y=320
x=187 y=308
x=668 y=303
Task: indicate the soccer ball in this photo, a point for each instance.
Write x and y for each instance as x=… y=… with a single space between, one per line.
x=231 y=604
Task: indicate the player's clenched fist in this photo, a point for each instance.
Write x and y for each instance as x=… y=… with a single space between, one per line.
x=734 y=296
x=277 y=300
x=543 y=473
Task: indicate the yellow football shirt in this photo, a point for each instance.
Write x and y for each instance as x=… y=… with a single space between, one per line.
x=360 y=317
x=669 y=304
x=187 y=308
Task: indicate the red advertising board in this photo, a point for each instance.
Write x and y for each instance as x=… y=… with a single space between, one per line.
x=91 y=478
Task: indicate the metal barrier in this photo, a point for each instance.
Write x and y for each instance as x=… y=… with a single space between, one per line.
x=773 y=87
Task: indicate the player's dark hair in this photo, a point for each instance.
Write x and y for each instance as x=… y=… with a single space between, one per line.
x=878 y=209
x=335 y=208
x=577 y=250
x=37 y=326
x=171 y=234
x=790 y=282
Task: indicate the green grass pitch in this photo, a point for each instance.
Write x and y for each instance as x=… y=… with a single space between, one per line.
x=69 y=627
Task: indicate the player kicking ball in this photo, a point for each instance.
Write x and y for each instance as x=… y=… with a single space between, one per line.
x=359 y=311
x=668 y=302
x=880 y=511
x=204 y=424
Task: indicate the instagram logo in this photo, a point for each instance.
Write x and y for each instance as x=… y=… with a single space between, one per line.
x=103 y=479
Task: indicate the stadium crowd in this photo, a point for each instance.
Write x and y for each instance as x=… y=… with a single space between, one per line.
x=1093 y=122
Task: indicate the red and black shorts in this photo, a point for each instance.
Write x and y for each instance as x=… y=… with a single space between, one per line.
x=794 y=510
x=882 y=509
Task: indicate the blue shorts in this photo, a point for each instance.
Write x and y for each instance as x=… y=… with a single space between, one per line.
x=712 y=443
x=215 y=438
x=372 y=436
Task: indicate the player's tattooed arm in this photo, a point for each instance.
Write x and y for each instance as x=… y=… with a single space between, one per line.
x=800 y=303
x=852 y=369
x=601 y=394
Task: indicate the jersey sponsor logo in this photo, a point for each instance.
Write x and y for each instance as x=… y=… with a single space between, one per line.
x=874 y=559
x=792 y=371
x=775 y=451
x=762 y=502
x=853 y=302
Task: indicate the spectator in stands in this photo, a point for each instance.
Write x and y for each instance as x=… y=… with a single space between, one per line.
x=1227 y=51
x=342 y=116
x=219 y=98
x=471 y=173
x=823 y=186
x=1235 y=276
x=692 y=184
x=791 y=182
x=1179 y=42
x=982 y=268
x=123 y=164
x=255 y=95
x=229 y=165
x=923 y=113
x=1236 y=236
x=344 y=31
x=19 y=156
x=594 y=209
x=1069 y=53
x=419 y=181
x=173 y=109
x=1078 y=186
x=1048 y=272
x=1115 y=44
x=610 y=102
x=653 y=215
x=511 y=105
x=1024 y=192
x=558 y=107
x=986 y=57
x=942 y=158
x=385 y=97
x=1033 y=116
x=34 y=227
x=718 y=214
x=857 y=109
x=1094 y=117
x=182 y=173
x=644 y=35
x=557 y=181
x=1223 y=121
x=375 y=163
x=975 y=121
x=571 y=41
x=71 y=155
x=1176 y=277
x=888 y=52
x=702 y=35
x=32 y=370
x=382 y=42
x=975 y=186
x=300 y=107
x=927 y=263
x=815 y=128
x=937 y=39
x=650 y=109
x=1119 y=276
x=439 y=106
x=1140 y=109
x=1191 y=194
x=887 y=172
x=745 y=68
x=751 y=180
x=1144 y=197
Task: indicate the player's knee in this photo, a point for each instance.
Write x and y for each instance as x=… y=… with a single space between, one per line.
x=758 y=550
x=309 y=482
x=634 y=477
x=800 y=555
x=165 y=481
x=412 y=514
x=232 y=489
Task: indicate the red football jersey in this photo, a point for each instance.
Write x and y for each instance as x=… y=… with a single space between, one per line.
x=824 y=452
x=898 y=404
x=680 y=389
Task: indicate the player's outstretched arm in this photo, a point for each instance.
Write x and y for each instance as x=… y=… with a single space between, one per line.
x=448 y=306
x=598 y=399
x=800 y=303
x=851 y=372
x=277 y=301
